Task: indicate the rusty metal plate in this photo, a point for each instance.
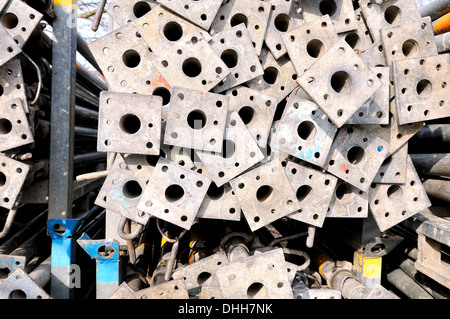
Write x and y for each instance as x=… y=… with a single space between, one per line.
x=421 y=88
x=359 y=39
x=376 y=109
x=394 y=133
x=254 y=14
x=173 y=289
x=409 y=40
x=202 y=272
x=126 y=12
x=11 y=83
x=197 y=119
x=341 y=13
x=125 y=60
x=129 y=123
x=284 y=16
x=234 y=46
x=161 y=29
x=279 y=78
x=12 y=178
x=200 y=13
x=309 y=42
x=348 y=202
x=393 y=169
x=264 y=194
x=256 y=110
x=387 y=14
x=239 y=152
x=124 y=186
x=20 y=20
x=10 y=49
x=392 y=204
x=356 y=156
x=262 y=276
x=304 y=131
x=174 y=193
x=14 y=128
x=191 y=63
x=332 y=80
x=314 y=190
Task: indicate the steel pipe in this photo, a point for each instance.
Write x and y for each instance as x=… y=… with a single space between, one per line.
x=438 y=188
x=435 y=9
x=443 y=42
x=432 y=164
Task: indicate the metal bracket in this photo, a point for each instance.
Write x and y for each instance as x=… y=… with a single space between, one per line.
x=12 y=177
x=421 y=88
x=234 y=46
x=124 y=186
x=348 y=201
x=304 y=131
x=14 y=127
x=106 y=254
x=333 y=86
x=265 y=194
x=341 y=13
x=174 y=193
x=20 y=282
x=254 y=14
x=356 y=156
x=197 y=119
x=308 y=183
x=256 y=109
x=239 y=152
x=125 y=128
x=391 y=204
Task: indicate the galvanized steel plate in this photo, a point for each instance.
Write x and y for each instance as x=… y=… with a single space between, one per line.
x=341 y=13
x=348 y=202
x=125 y=12
x=20 y=281
x=10 y=49
x=173 y=289
x=393 y=169
x=15 y=130
x=220 y=203
x=12 y=178
x=360 y=39
x=129 y=123
x=11 y=83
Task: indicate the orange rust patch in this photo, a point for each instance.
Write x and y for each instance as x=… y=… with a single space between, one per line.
x=157 y=81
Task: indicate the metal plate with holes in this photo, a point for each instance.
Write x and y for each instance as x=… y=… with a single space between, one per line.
x=161 y=29
x=314 y=190
x=332 y=80
x=174 y=193
x=256 y=277
x=392 y=204
x=173 y=289
x=256 y=110
x=200 y=13
x=394 y=133
x=176 y=154
x=409 y=40
x=20 y=20
x=14 y=128
x=265 y=194
x=393 y=169
x=348 y=202
x=304 y=131
x=374 y=55
x=376 y=109
x=284 y=16
x=191 y=63
x=10 y=49
x=123 y=187
x=125 y=60
x=255 y=15
x=11 y=82
x=239 y=152
x=309 y=42
x=202 y=272
x=12 y=178
x=291 y=268
x=220 y=203
x=356 y=156
x=129 y=123
x=341 y=13
x=359 y=39
x=279 y=78
x=126 y=12
x=197 y=119
x=210 y=292
x=235 y=48
x=123 y=292
x=387 y=14
x=20 y=282
x=421 y=88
